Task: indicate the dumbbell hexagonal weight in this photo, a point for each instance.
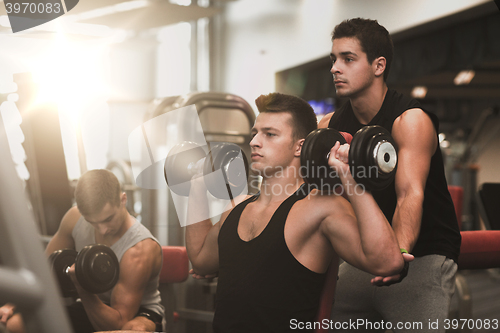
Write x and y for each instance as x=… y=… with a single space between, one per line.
x=182 y=163
x=314 y=158
x=372 y=157
x=96 y=266
x=224 y=169
x=61 y=261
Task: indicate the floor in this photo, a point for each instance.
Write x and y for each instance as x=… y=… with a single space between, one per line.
x=484 y=287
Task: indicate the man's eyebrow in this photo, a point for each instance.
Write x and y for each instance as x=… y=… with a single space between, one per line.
x=265 y=129
x=345 y=53
x=270 y=129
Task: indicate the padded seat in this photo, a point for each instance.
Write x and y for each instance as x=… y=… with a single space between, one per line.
x=175 y=266
x=175 y=269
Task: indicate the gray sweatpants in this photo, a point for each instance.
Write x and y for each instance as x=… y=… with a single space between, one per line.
x=420 y=303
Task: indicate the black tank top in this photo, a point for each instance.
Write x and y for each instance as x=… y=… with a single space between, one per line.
x=261 y=286
x=439 y=232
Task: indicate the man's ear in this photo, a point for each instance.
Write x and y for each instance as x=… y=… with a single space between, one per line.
x=123 y=198
x=379 y=66
x=298 y=147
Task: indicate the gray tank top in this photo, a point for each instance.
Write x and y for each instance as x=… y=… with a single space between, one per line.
x=84 y=234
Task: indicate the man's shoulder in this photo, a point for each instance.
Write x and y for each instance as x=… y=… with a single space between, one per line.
x=70 y=219
x=319 y=205
x=138 y=238
x=325 y=121
x=144 y=248
x=144 y=257
x=411 y=117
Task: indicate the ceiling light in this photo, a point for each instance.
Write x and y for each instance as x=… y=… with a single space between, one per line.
x=419 y=92
x=181 y=2
x=441 y=137
x=464 y=77
x=445 y=144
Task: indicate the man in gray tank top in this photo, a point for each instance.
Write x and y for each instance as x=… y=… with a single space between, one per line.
x=101 y=217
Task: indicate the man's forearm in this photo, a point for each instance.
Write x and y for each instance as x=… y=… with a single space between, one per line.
x=102 y=316
x=406 y=221
x=198 y=224
x=195 y=238
x=377 y=238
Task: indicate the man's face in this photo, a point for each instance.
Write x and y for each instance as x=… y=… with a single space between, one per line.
x=272 y=143
x=109 y=221
x=352 y=73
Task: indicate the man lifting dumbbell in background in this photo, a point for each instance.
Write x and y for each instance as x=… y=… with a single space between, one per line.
x=101 y=217
x=418 y=204
x=272 y=250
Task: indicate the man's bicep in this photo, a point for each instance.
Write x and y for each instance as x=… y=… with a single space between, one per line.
x=63 y=238
x=343 y=233
x=208 y=259
x=416 y=138
x=136 y=269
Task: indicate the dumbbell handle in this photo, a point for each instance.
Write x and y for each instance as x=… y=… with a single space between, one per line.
x=347 y=137
x=194 y=168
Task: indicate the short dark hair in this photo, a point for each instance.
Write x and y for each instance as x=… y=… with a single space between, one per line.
x=95 y=189
x=303 y=117
x=374 y=39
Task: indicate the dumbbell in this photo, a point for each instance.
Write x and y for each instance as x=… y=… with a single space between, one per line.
x=96 y=266
x=372 y=157
x=224 y=169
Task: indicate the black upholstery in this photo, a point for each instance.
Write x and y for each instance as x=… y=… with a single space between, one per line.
x=489 y=204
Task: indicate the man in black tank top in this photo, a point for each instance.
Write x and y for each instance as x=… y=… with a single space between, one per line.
x=418 y=204
x=271 y=251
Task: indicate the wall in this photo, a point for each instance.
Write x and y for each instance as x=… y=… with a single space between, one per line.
x=262 y=37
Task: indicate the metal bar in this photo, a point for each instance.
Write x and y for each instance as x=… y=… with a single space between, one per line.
x=20 y=285
x=193 y=85
x=82 y=156
x=485 y=114
x=22 y=250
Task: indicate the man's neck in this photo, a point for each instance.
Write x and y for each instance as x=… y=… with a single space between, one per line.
x=366 y=106
x=277 y=188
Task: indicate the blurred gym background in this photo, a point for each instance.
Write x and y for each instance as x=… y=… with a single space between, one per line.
x=73 y=89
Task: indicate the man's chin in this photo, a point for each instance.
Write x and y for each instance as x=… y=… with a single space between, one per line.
x=341 y=93
x=256 y=170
